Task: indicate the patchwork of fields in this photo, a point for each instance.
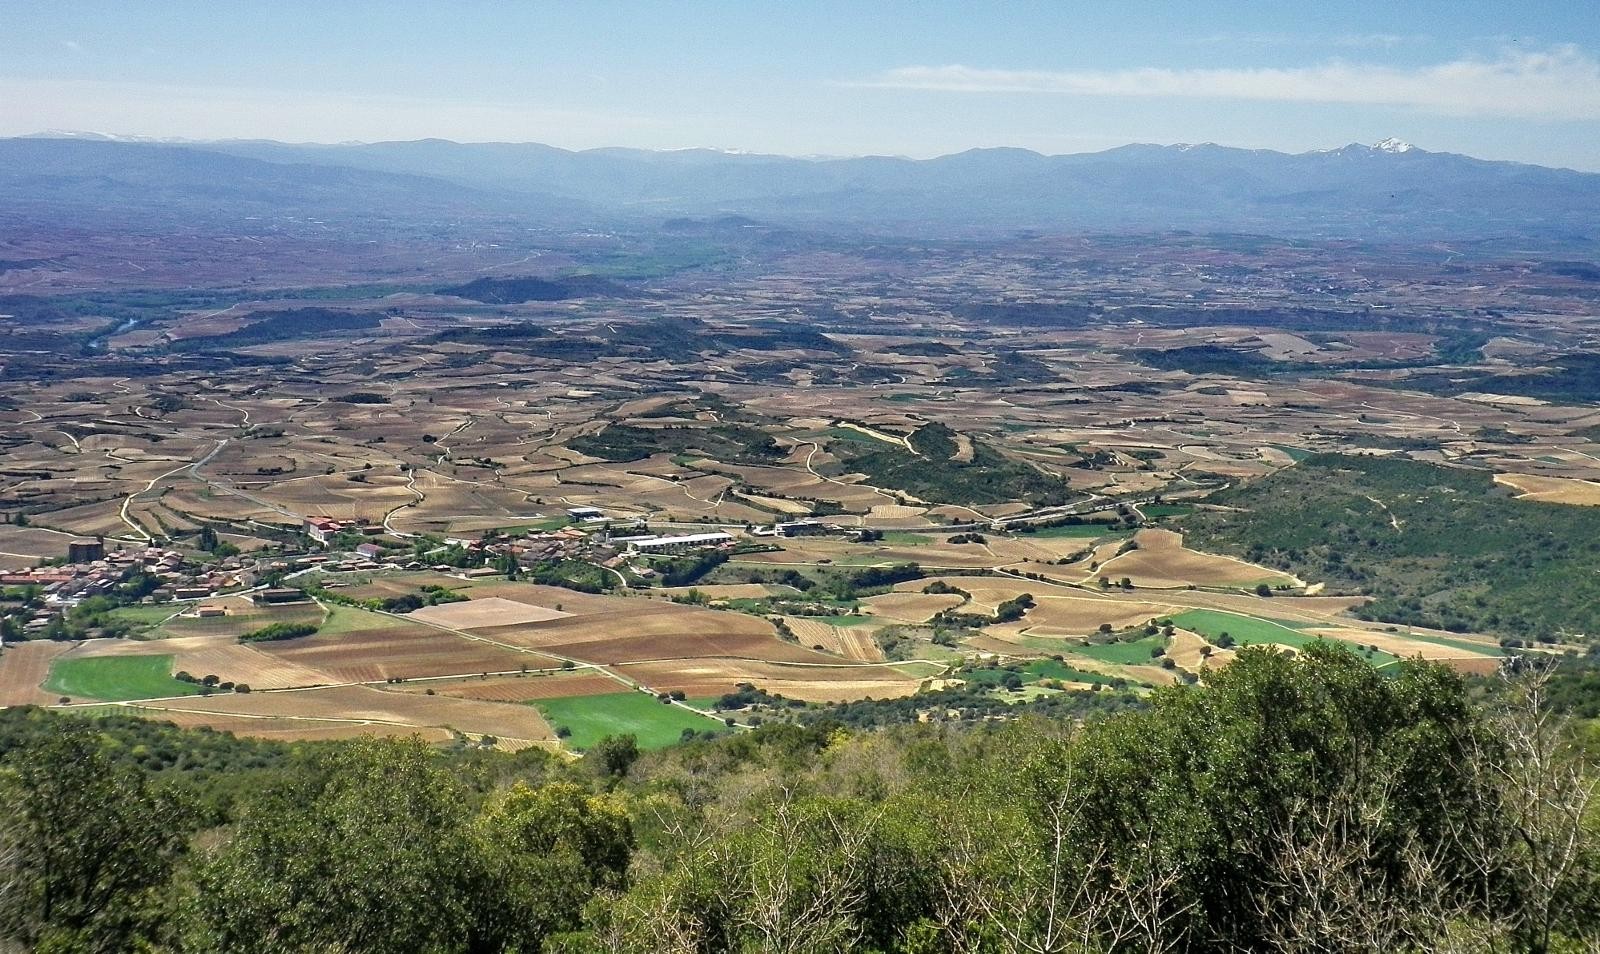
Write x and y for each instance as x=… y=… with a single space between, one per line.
x=527 y=664
x=1114 y=504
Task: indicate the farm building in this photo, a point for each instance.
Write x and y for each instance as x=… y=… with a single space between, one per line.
x=280 y=594
x=85 y=551
x=802 y=528
x=321 y=528
x=690 y=541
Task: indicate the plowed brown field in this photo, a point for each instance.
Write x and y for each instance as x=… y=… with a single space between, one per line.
x=1163 y=561
x=851 y=642
x=23 y=666
x=399 y=652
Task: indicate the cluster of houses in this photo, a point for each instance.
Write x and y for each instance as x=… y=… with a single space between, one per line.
x=91 y=570
x=324 y=529
x=591 y=536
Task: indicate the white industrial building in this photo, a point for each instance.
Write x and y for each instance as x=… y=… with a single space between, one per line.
x=689 y=541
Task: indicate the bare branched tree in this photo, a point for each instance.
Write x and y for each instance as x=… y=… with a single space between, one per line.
x=1336 y=880
x=803 y=891
x=1543 y=799
x=1500 y=875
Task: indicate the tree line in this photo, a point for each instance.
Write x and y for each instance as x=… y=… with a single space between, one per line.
x=1292 y=803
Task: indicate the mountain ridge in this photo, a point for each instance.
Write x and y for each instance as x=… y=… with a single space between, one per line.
x=1388 y=190
x=1390 y=145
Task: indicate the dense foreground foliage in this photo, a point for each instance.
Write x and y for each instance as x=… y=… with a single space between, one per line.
x=1299 y=803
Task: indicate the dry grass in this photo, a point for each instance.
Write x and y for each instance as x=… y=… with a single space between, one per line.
x=1399 y=645
x=609 y=629
x=1077 y=616
x=523 y=688
x=910 y=607
x=851 y=642
x=713 y=677
x=489 y=611
x=220 y=656
x=1564 y=490
x=1162 y=561
x=364 y=704
x=292 y=729
x=23 y=668
x=1191 y=651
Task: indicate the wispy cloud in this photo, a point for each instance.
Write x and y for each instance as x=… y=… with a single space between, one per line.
x=72 y=46
x=1245 y=39
x=1385 y=41
x=1559 y=83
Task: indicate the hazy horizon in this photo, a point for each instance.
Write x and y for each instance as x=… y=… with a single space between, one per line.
x=817 y=79
x=135 y=138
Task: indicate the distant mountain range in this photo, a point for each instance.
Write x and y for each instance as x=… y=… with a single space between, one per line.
x=1387 y=191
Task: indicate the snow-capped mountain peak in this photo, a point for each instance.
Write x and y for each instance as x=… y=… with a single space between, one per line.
x=1393 y=145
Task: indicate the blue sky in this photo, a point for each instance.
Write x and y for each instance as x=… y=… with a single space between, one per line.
x=1498 y=80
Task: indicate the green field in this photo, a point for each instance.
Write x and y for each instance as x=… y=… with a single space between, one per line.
x=846 y=434
x=1247 y=631
x=348 y=619
x=117 y=678
x=1041 y=669
x=922 y=668
x=903 y=539
x=147 y=614
x=655 y=724
x=1055 y=669
x=1136 y=653
x=236 y=623
x=1157 y=511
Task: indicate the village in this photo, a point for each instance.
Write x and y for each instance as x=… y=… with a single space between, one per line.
x=33 y=598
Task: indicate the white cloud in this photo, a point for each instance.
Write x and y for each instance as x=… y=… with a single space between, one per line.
x=72 y=46
x=1560 y=83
